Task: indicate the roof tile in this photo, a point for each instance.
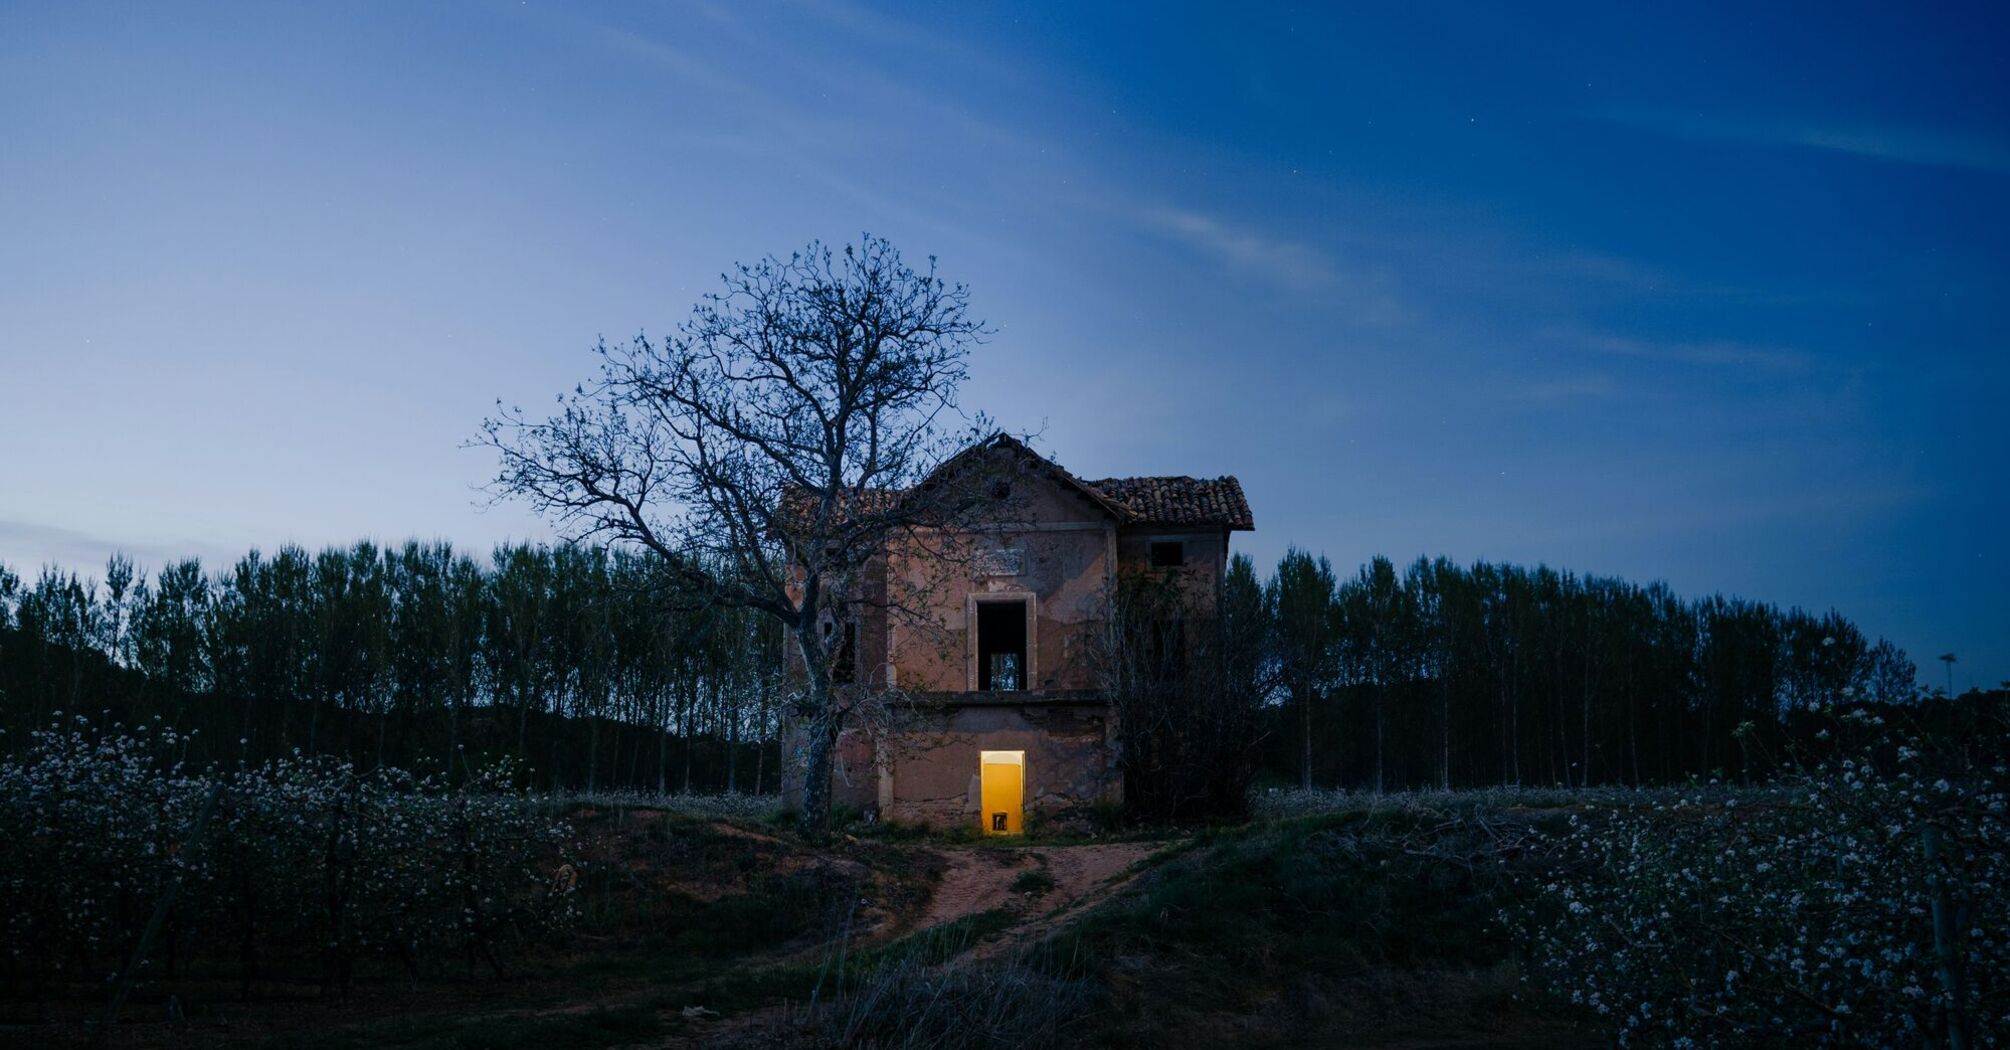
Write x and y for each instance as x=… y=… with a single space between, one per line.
x=1181 y=500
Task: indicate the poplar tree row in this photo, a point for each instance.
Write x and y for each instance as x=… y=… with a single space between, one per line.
x=575 y=662
x=1441 y=675
x=578 y=662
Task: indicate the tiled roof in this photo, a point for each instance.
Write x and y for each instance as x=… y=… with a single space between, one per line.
x=1181 y=500
x=1177 y=501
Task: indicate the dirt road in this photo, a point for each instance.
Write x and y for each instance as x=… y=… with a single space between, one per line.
x=985 y=879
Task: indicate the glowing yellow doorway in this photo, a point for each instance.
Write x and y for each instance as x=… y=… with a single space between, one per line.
x=1003 y=790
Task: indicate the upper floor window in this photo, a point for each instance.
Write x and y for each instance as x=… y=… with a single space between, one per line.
x=1168 y=554
x=1001 y=645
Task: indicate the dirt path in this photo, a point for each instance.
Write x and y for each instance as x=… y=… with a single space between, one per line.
x=975 y=881
x=981 y=880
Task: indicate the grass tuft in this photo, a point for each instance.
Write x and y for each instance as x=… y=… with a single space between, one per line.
x=1036 y=883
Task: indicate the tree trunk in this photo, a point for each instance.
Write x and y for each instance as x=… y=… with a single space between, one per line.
x=1444 y=730
x=718 y=705
x=522 y=717
x=1947 y=949
x=453 y=757
x=823 y=728
x=822 y=749
x=733 y=750
x=1381 y=702
x=662 y=756
x=1305 y=711
x=690 y=714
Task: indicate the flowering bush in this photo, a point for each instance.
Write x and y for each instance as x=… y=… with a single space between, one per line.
x=298 y=859
x=1862 y=904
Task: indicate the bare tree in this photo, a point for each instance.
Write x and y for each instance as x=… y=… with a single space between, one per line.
x=1190 y=677
x=767 y=452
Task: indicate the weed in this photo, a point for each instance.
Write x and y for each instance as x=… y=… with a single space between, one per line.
x=1036 y=883
x=910 y=994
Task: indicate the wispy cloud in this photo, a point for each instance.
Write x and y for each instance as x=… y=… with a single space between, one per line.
x=1925 y=147
x=1707 y=353
x=1295 y=265
x=1290 y=264
x=27 y=546
x=1915 y=147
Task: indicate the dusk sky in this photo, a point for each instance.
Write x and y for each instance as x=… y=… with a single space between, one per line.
x=1717 y=298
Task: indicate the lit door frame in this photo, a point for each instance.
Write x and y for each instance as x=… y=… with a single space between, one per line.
x=1014 y=814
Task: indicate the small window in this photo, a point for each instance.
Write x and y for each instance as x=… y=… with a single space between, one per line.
x=1168 y=554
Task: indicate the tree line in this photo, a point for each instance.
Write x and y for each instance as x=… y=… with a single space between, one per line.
x=1443 y=675
x=578 y=662
x=583 y=664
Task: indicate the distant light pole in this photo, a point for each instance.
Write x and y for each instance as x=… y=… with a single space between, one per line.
x=1948 y=659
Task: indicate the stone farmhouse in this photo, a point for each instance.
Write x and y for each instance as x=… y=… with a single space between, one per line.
x=985 y=658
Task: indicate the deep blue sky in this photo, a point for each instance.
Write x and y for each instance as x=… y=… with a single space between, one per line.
x=1710 y=297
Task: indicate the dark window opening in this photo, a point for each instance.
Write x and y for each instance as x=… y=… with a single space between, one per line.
x=1168 y=554
x=1001 y=645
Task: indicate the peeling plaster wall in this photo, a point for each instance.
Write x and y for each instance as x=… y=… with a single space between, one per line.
x=1070 y=761
x=854 y=771
x=1206 y=557
x=930 y=770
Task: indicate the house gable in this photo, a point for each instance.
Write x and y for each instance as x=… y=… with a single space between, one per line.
x=1002 y=480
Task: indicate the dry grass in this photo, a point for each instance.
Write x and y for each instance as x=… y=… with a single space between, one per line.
x=738 y=807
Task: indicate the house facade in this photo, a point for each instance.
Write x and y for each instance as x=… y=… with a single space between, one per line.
x=983 y=644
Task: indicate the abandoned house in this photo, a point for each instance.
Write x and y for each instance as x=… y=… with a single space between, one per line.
x=982 y=648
